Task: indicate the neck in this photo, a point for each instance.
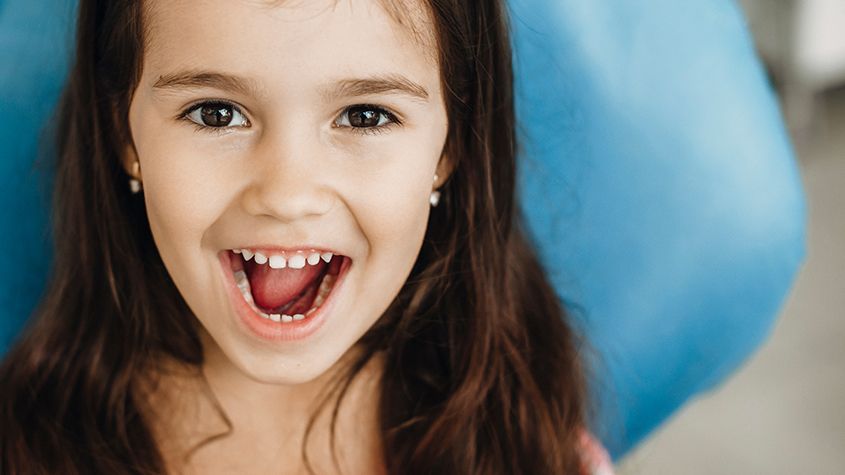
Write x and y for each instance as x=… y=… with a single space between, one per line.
x=258 y=405
x=200 y=412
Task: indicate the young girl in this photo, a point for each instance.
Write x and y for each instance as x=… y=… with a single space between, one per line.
x=287 y=242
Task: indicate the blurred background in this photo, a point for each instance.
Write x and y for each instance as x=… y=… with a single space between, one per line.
x=784 y=411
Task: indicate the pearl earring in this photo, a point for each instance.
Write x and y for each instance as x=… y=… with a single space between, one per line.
x=134 y=183
x=434 y=198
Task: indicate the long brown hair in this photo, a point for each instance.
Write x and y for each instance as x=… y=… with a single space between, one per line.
x=482 y=371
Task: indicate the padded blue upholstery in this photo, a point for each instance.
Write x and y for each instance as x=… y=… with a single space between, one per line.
x=35 y=41
x=657 y=179
x=663 y=189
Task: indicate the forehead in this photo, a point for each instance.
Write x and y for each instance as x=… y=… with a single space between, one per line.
x=390 y=32
x=412 y=16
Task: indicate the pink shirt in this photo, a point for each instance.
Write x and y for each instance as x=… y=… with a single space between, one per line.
x=596 y=459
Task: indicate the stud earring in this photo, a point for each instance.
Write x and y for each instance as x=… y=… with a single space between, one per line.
x=434 y=198
x=134 y=183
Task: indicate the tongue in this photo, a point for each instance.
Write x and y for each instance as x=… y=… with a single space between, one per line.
x=272 y=288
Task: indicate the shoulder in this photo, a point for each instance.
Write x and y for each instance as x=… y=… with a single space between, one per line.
x=595 y=458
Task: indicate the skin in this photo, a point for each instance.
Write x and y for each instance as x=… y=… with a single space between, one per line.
x=288 y=171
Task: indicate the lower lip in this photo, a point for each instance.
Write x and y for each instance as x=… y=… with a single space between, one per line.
x=269 y=330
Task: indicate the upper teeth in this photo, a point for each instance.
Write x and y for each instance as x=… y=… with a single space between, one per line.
x=278 y=262
x=297 y=260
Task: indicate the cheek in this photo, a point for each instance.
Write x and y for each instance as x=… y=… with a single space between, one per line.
x=391 y=209
x=182 y=188
x=393 y=222
x=389 y=196
x=177 y=195
x=183 y=197
x=394 y=217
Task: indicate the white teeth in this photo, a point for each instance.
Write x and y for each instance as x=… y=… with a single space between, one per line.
x=298 y=316
x=278 y=262
x=275 y=317
x=287 y=318
x=323 y=291
x=297 y=261
x=264 y=315
x=243 y=285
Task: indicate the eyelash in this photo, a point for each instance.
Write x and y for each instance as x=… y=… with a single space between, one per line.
x=374 y=130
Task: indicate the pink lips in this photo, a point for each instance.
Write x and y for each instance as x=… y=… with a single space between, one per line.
x=269 y=330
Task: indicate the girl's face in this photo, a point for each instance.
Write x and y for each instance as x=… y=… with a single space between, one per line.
x=285 y=130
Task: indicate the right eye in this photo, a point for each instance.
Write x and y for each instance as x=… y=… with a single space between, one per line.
x=216 y=115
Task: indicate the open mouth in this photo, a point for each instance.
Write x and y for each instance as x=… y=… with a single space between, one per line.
x=285 y=287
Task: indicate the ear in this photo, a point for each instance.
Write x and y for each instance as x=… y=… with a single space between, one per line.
x=129 y=156
x=445 y=167
x=129 y=161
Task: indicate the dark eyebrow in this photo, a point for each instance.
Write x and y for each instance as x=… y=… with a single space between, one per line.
x=390 y=83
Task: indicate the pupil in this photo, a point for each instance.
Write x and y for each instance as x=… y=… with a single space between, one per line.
x=216 y=115
x=362 y=117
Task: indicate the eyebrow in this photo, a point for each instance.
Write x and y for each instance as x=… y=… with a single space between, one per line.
x=387 y=84
x=198 y=79
x=351 y=87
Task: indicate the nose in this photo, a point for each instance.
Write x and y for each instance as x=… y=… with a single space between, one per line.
x=286 y=182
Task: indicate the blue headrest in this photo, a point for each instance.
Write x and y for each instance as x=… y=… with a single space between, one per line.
x=35 y=43
x=656 y=178
x=662 y=188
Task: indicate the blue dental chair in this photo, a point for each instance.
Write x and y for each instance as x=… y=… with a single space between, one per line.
x=656 y=177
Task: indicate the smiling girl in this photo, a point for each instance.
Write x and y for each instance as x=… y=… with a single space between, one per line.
x=287 y=242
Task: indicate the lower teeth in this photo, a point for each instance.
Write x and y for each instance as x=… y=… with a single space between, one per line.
x=325 y=287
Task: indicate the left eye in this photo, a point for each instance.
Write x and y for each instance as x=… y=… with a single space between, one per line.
x=217 y=115
x=365 y=117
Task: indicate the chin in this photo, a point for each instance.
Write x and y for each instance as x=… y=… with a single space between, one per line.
x=283 y=370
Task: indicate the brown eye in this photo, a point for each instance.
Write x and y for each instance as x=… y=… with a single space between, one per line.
x=217 y=115
x=366 y=117
x=362 y=116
